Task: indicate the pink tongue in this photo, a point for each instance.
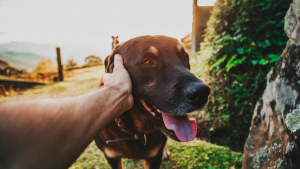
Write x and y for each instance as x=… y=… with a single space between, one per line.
x=184 y=128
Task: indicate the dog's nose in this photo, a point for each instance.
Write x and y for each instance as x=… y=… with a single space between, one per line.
x=197 y=93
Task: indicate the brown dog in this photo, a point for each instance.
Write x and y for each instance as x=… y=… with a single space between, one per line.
x=164 y=92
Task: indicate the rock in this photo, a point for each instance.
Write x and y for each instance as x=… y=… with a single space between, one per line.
x=274 y=135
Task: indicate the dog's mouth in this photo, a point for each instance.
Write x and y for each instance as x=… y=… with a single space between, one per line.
x=184 y=128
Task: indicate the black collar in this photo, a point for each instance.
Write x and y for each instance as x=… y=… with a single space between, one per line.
x=133 y=136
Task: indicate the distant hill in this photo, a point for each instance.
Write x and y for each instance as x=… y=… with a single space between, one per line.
x=21 y=60
x=48 y=51
x=44 y=50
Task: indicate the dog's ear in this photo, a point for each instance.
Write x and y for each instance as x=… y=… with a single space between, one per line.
x=109 y=61
x=109 y=64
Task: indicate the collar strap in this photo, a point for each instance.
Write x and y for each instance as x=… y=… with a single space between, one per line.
x=133 y=137
x=123 y=129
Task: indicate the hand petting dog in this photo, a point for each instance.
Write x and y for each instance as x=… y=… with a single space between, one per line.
x=52 y=133
x=120 y=77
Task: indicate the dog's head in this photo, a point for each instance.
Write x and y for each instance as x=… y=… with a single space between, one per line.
x=163 y=87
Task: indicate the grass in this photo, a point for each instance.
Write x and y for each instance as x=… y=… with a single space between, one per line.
x=75 y=81
x=194 y=154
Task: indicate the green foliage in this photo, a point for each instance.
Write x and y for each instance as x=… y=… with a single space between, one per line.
x=197 y=154
x=243 y=39
x=193 y=154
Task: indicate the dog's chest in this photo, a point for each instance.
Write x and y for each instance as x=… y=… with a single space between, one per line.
x=132 y=150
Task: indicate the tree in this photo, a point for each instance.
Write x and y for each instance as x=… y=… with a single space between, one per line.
x=243 y=40
x=71 y=64
x=45 y=66
x=92 y=60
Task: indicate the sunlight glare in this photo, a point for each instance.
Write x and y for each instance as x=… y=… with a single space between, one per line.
x=206 y=2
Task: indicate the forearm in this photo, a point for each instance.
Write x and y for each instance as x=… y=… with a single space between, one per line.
x=108 y=100
x=56 y=128
x=31 y=130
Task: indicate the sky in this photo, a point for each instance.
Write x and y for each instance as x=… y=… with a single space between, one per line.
x=91 y=23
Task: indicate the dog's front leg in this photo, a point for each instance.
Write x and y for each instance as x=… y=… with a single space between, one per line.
x=115 y=163
x=155 y=162
x=166 y=153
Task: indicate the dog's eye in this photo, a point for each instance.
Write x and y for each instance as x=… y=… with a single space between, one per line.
x=148 y=62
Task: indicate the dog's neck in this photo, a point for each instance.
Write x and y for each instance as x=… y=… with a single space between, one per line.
x=135 y=121
x=132 y=136
x=133 y=133
x=127 y=131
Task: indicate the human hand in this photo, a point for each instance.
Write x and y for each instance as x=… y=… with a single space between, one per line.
x=120 y=78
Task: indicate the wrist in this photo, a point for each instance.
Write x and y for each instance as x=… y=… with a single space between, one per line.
x=125 y=91
x=123 y=88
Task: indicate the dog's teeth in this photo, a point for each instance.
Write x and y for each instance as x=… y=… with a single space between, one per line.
x=158 y=110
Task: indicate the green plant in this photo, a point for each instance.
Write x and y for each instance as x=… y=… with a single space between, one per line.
x=194 y=154
x=243 y=39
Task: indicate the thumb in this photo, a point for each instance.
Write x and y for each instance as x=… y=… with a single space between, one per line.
x=118 y=61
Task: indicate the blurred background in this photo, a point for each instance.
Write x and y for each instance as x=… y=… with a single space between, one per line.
x=52 y=47
x=84 y=28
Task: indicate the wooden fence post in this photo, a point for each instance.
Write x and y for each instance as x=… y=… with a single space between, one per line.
x=60 y=73
x=2 y=90
x=201 y=15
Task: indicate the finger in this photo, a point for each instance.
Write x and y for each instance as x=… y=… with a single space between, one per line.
x=118 y=61
x=106 y=78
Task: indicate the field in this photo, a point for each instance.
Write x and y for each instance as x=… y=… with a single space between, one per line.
x=194 y=154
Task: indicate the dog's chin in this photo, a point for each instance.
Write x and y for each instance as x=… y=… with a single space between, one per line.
x=177 y=127
x=160 y=124
x=169 y=133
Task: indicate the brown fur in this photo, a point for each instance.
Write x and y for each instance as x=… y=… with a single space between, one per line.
x=153 y=87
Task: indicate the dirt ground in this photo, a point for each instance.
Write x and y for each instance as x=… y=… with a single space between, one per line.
x=75 y=82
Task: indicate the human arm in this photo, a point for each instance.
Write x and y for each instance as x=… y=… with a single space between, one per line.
x=51 y=133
